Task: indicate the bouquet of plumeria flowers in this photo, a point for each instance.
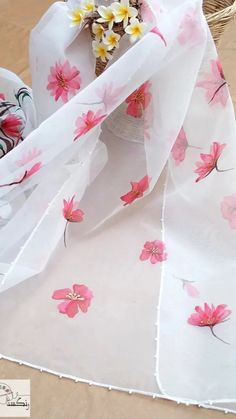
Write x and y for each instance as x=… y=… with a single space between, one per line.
x=107 y=24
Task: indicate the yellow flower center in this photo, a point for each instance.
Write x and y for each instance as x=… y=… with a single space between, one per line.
x=139 y=97
x=109 y=15
x=99 y=31
x=61 y=80
x=77 y=16
x=89 y=7
x=112 y=40
x=74 y=296
x=102 y=51
x=123 y=11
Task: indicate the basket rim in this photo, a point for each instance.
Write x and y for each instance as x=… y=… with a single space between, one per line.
x=227 y=12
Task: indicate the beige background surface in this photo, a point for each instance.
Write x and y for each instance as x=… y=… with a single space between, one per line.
x=52 y=397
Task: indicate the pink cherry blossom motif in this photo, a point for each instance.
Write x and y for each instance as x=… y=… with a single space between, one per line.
x=75 y=300
x=63 y=81
x=2 y=96
x=228 y=210
x=191 y=290
x=88 y=121
x=109 y=95
x=190 y=29
x=210 y=161
x=210 y=316
x=12 y=126
x=28 y=173
x=139 y=100
x=155 y=251
x=137 y=191
x=215 y=85
x=180 y=146
x=27 y=158
x=71 y=213
x=157 y=32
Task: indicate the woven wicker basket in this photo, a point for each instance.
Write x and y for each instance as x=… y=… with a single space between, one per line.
x=218 y=14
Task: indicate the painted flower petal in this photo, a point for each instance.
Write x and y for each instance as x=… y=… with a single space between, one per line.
x=61 y=294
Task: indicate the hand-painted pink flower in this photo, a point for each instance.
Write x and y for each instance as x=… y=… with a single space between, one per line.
x=210 y=317
x=188 y=286
x=190 y=29
x=157 y=32
x=191 y=290
x=215 y=85
x=209 y=161
x=88 y=121
x=29 y=172
x=2 y=96
x=218 y=70
x=75 y=300
x=12 y=126
x=179 y=148
x=63 y=81
x=228 y=210
x=155 y=251
x=109 y=95
x=139 y=100
x=71 y=213
x=137 y=191
x=28 y=157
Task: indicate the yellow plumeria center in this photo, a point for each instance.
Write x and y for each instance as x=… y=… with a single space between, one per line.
x=155 y=251
x=112 y=40
x=136 y=30
x=89 y=7
x=123 y=11
x=101 y=51
x=99 y=31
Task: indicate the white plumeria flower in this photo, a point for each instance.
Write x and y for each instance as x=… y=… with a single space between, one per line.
x=123 y=11
x=98 y=31
x=111 y=39
x=135 y=29
x=76 y=16
x=88 y=6
x=107 y=16
x=100 y=50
